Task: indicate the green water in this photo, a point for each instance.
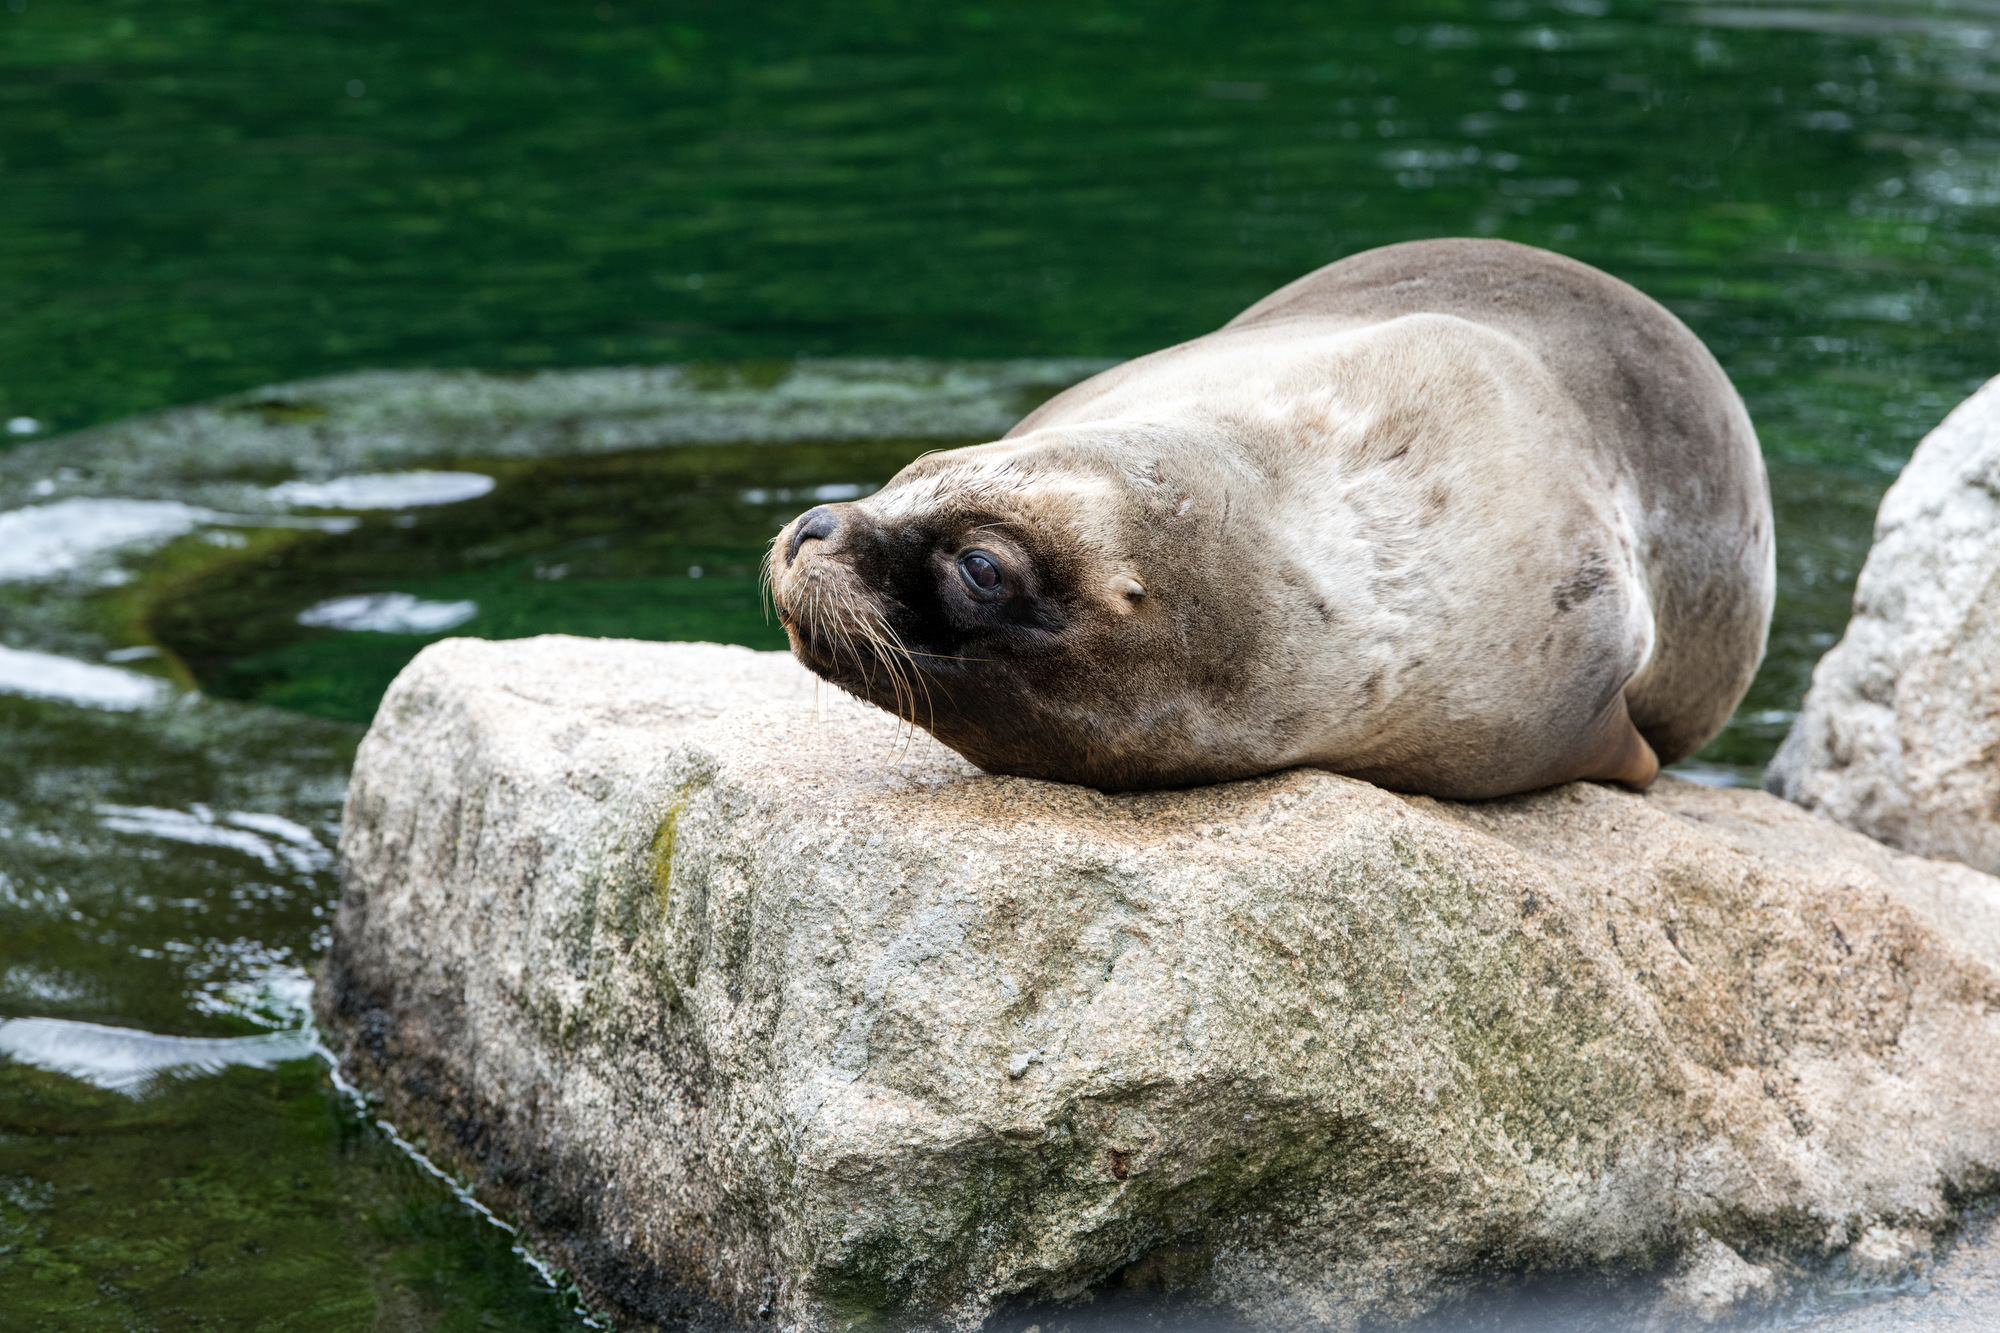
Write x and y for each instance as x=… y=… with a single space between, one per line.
x=244 y=1199
x=202 y=199
x=655 y=545
x=195 y=203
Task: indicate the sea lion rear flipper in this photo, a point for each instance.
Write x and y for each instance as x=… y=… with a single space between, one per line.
x=1619 y=753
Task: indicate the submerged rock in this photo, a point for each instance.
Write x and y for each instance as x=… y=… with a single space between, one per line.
x=319 y=432
x=757 y=1010
x=1899 y=736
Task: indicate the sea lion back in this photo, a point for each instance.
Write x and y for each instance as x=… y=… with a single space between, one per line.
x=1663 y=419
x=1665 y=416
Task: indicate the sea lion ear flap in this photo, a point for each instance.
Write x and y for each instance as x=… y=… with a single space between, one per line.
x=1126 y=593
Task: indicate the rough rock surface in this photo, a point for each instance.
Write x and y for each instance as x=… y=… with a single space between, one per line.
x=758 y=1012
x=1900 y=734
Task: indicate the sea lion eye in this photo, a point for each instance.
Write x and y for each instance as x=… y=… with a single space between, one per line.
x=982 y=573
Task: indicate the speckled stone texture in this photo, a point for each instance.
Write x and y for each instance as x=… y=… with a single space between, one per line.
x=1899 y=736
x=757 y=1010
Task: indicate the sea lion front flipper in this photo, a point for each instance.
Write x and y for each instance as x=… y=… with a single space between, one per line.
x=1619 y=753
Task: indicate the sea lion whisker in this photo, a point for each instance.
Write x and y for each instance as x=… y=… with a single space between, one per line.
x=844 y=626
x=886 y=650
x=896 y=687
x=883 y=639
x=917 y=674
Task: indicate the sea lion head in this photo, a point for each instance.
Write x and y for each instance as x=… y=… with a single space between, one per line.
x=1043 y=606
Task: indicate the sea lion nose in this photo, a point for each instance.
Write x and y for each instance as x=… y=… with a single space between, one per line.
x=818 y=523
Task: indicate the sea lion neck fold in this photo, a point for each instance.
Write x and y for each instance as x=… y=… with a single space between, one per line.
x=1458 y=517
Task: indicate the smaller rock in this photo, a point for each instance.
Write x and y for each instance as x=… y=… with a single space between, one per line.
x=1899 y=732
x=1716 y=1280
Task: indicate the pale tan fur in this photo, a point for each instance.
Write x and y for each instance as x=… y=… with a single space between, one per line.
x=1459 y=517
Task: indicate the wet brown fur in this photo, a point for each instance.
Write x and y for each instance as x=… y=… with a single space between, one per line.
x=1457 y=517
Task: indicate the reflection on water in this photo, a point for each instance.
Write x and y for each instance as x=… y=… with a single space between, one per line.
x=387 y=613
x=204 y=198
x=23 y=671
x=384 y=490
x=48 y=540
x=122 y=1060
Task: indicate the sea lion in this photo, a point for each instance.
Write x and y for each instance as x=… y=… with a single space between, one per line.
x=1459 y=517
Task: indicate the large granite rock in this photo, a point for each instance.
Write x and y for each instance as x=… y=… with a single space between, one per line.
x=1900 y=734
x=756 y=1011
